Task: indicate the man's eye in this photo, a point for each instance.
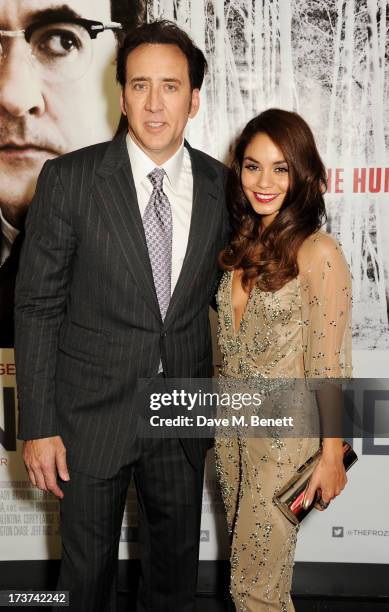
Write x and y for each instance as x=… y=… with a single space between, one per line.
x=139 y=86
x=171 y=87
x=56 y=42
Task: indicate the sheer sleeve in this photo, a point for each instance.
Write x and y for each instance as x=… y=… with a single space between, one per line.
x=326 y=308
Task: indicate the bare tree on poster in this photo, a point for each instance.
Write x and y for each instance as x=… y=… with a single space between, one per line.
x=326 y=60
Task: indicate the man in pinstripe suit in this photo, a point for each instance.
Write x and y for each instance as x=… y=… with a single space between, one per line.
x=92 y=318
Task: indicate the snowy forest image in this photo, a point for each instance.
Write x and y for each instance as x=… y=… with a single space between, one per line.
x=327 y=60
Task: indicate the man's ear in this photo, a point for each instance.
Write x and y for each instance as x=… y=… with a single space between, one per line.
x=123 y=102
x=194 y=103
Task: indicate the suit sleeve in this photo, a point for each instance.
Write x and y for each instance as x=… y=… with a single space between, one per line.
x=42 y=288
x=225 y=234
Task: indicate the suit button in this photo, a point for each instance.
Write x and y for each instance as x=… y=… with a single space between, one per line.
x=163 y=334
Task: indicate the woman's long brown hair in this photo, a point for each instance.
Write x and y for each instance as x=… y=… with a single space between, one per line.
x=268 y=256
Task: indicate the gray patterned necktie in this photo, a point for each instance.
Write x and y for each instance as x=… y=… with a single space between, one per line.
x=157 y=223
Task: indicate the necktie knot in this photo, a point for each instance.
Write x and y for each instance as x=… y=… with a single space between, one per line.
x=156 y=178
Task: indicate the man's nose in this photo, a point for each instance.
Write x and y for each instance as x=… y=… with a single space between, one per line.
x=20 y=85
x=154 y=100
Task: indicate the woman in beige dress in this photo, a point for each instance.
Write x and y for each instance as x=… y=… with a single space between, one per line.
x=284 y=310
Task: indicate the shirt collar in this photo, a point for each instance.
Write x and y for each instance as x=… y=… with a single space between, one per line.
x=9 y=231
x=142 y=165
x=173 y=167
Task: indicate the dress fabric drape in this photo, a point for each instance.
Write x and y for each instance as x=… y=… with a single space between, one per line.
x=301 y=331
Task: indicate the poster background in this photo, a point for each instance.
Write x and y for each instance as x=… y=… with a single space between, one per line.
x=326 y=59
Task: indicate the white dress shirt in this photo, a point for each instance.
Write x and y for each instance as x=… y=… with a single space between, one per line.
x=178 y=187
x=9 y=234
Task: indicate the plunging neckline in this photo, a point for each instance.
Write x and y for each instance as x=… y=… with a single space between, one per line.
x=236 y=330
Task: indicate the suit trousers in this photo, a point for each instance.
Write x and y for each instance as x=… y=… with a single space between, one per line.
x=169 y=491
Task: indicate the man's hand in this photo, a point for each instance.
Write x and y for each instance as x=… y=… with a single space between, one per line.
x=44 y=458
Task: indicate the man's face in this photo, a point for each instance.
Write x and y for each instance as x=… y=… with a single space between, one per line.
x=43 y=116
x=157 y=99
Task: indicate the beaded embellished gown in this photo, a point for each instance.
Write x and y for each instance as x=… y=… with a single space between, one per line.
x=303 y=330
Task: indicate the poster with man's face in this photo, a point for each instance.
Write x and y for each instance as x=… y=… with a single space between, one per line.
x=57 y=94
x=325 y=59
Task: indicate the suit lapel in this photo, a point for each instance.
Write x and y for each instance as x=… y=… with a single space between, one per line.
x=115 y=193
x=205 y=192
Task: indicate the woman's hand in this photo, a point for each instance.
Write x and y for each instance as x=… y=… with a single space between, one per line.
x=329 y=477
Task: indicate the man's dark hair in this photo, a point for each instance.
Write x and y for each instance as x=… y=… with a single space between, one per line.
x=162 y=32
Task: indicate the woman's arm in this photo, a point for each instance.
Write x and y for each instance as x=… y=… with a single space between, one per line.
x=326 y=315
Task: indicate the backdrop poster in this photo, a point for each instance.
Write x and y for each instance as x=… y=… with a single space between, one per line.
x=51 y=108
x=29 y=517
x=326 y=59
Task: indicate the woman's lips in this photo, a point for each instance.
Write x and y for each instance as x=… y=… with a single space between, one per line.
x=264 y=198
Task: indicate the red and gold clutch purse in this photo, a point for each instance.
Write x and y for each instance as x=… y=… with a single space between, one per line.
x=290 y=498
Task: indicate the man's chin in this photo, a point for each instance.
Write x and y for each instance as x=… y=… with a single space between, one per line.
x=160 y=147
x=17 y=190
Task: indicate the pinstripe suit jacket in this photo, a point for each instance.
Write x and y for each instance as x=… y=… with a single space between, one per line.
x=88 y=324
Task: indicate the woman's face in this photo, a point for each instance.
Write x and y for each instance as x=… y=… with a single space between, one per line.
x=265 y=177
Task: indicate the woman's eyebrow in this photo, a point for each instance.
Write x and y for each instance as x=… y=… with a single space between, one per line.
x=276 y=163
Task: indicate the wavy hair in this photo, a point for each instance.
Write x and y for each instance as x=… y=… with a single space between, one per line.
x=268 y=256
